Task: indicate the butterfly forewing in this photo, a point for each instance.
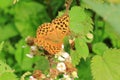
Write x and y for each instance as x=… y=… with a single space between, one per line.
x=62 y=25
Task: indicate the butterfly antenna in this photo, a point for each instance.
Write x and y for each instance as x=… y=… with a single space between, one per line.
x=67 y=4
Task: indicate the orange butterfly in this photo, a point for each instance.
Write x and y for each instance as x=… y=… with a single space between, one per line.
x=50 y=35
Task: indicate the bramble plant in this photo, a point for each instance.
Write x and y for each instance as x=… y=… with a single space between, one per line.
x=88 y=36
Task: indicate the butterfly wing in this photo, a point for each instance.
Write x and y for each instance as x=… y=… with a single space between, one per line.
x=62 y=26
x=50 y=35
x=47 y=38
x=52 y=47
x=41 y=34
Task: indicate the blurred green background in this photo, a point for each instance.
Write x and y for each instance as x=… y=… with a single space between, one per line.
x=21 y=18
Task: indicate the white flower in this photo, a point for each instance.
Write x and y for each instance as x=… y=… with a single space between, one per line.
x=65 y=55
x=29 y=55
x=67 y=77
x=32 y=78
x=74 y=74
x=61 y=67
x=60 y=58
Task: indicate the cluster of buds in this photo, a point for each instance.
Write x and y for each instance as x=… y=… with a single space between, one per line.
x=61 y=60
x=63 y=67
x=66 y=67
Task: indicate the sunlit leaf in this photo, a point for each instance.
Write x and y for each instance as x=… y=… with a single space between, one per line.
x=8 y=76
x=81 y=48
x=4 y=67
x=80 y=22
x=81 y=51
x=75 y=57
x=5 y=4
x=106 y=67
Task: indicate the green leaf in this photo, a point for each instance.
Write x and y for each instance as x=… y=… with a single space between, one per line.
x=6 y=73
x=99 y=48
x=84 y=72
x=4 y=68
x=1 y=46
x=75 y=57
x=8 y=29
x=106 y=67
x=55 y=5
x=42 y=64
x=81 y=51
x=20 y=55
x=66 y=44
x=114 y=36
x=28 y=16
x=5 y=4
x=81 y=48
x=110 y=13
x=113 y=1
x=80 y=22
x=9 y=48
x=8 y=76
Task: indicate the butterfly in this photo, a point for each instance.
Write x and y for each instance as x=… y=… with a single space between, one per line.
x=50 y=35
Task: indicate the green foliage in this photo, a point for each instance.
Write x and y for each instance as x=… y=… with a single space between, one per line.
x=6 y=72
x=106 y=67
x=94 y=29
x=8 y=29
x=75 y=57
x=1 y=46
x=99 y=48
x=81 y=51
x=6 y=3
x=42 y=64
x=28 y=20
x=78 y=21
x=24 y=62
x=81 y=48
x=109 y=13
x=114 y=36
x=57 y=4
x=84 y=71
x=8 y=76
x=4 y=68
x=22 y=21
